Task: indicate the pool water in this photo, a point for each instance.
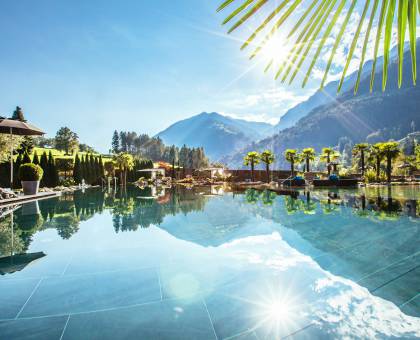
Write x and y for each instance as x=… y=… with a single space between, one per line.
x=207 y=263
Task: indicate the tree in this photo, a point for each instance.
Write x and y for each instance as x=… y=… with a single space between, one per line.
x=110 y=168
x=123 y=141
x=327 y=23
x=86 y=148
x=326 y=157
x=361 y=149
x=92 y=168
x=251 y=159
x=52 y=171
x=26 y=146
x=267 y=157
x=125 y=162
x=26 y=158
x=16 y=165
x=391 y=151
x=66 y=140
x=44 y=165
x=101 y=169
x=6 y=143
x=115 y=145
x=77 y=171
x=43 y=142
x=335 y=157
x=65 y=165
x=18 y=114
x=183 y=156
x=35 y=159
x=307 y=156
x=377 y=155
x=292 y=157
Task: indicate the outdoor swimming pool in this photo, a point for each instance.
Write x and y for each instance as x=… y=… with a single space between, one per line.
x=207 y=264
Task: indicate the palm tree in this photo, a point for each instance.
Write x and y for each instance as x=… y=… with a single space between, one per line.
x=326 y=157
x=307 y=155
x=361 y=149
x=377 y=155
x=335 y=157
x=267 y=157
x=321 y=22
x=125 y=162
x=292 y=157
x=390 y=151
x=110 y=168
x=251 y=159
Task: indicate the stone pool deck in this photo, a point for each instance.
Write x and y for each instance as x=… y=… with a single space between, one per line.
x=28 y=198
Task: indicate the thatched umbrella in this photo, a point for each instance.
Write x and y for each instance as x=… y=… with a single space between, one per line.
x=17 y=126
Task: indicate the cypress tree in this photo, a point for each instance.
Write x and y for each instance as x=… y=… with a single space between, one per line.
x=16 y=165
x=44 y=166
x=101 y=167
x=88 y=168
x=97 y=170
x=92 y=169
x=84 y=169
x=53 y=173
x=35 y=160
x=115 y=145
x=26 y=158
x=77 y=170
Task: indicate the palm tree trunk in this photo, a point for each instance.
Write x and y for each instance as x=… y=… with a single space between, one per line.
x=362 y=154
x=267 y=169
x=292 y=168
x=252 y=171
x=388 y=168
x=328 y=165
x=307 y=165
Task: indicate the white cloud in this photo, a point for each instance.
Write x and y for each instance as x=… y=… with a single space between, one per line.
x=266 y=105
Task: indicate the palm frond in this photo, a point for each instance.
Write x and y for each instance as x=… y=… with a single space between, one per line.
x=325 y=20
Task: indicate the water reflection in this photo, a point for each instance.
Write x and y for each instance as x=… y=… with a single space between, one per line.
x=368 y=236
x=135 y=208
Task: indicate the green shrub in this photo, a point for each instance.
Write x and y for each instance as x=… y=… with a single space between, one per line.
x=30 y=172
x=67 y=182
x=370 y=176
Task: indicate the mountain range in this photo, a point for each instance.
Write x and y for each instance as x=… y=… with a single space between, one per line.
x=370 y=117
x=324 y=119
x=326 y=95
x=217 y=134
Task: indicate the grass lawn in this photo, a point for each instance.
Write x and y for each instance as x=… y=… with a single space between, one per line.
x=61 y=154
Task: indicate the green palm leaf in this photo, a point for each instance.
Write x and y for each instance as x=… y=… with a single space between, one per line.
x=321 y=18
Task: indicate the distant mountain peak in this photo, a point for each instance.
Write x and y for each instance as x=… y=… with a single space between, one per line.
x=216 y=133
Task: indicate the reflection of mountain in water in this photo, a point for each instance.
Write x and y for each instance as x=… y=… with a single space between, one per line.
x=373 y=242
x=223 y=220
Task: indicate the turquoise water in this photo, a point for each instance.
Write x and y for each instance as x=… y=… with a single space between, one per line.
x=208 y=264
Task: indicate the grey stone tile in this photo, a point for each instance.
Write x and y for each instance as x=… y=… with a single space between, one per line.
x=162 y=320
x=13 y=295
x=33 y=329
x=83 y=293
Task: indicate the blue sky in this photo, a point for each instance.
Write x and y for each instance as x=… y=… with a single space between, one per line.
x=97 y=65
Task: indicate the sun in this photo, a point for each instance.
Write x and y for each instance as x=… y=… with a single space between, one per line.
x=275 y=49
